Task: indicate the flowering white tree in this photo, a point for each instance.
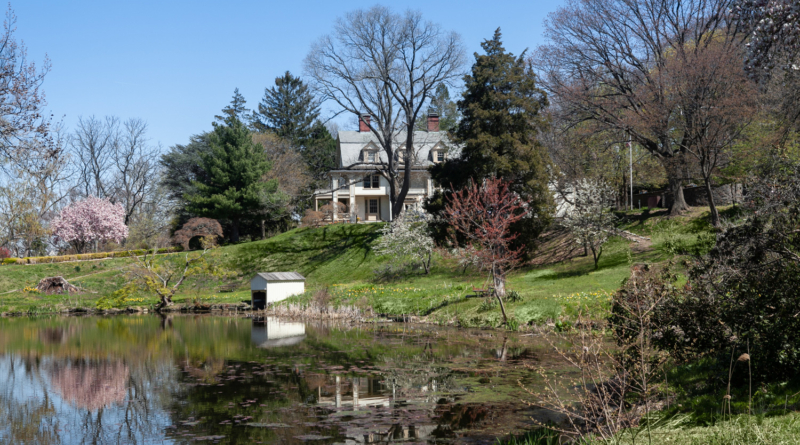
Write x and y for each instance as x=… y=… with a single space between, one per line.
x=590 y=221
x=407 y=237
x=89 y=220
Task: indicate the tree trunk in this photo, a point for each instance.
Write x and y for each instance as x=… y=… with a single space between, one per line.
x=235 y=231
x=678 y=201
x=263 y=229
x=711 y=205
x=596 y=252
x=500 y=289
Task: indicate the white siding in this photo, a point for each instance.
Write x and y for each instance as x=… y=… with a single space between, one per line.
x=282 y=290
x=258 y=283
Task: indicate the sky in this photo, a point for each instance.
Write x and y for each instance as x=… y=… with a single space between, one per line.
x=175 y=64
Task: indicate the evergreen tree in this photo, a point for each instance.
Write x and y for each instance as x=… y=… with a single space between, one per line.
x=501 y=118
x=445 y=107
x=289 y=109
x=233 y=188
x=235 y=109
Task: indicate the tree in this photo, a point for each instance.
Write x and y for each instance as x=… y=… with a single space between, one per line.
x=606 y=63
x=775 y=33
x=28 y=201
x=165 y=276
x=115 y=160
x=288 y=109
x=90 y=220
x=235 y=109
x=405 y=237
x=183 y=168
x=25 y=138
x=590 y=220
x=501 y=117
x=197 y=227
x=773 y=50
x=717 y=102
x=444 y=107
x=483 y=215
x=235 y=166
x=388 y=66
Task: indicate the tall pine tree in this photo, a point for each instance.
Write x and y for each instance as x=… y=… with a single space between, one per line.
x=500 y=120
x=236 y=108
x=233 y=188
x=288 y=109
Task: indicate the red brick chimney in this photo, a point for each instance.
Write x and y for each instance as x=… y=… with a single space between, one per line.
x=363 y=123
x=433 y=122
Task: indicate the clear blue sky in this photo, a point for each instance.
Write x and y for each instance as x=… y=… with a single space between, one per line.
x=175 y=63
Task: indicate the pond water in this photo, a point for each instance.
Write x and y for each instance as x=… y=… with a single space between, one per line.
x=207 y=379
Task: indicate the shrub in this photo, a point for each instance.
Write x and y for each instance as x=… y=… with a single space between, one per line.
x=4 y=253
x=312 y=218
x=745 y=290
x=513 y=297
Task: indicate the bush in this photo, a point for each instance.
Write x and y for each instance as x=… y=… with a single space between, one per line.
x=312 y=218
x=4 y=253
x=744 y=292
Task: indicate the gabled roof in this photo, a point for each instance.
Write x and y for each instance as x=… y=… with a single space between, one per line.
x=281 y=276
x=352 y=143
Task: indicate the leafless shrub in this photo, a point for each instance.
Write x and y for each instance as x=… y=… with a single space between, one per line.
x=615 y=385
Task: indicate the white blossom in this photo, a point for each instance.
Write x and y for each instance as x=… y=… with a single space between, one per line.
x=407 y=236
x=590 y=220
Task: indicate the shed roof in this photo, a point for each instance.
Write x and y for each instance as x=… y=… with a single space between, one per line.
x=281 y=276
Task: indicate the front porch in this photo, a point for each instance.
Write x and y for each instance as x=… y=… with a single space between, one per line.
x=362 y=208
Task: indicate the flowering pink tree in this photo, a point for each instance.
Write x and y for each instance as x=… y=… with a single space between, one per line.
x=89 y=220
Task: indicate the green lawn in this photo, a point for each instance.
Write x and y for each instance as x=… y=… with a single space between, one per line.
x=341 y=259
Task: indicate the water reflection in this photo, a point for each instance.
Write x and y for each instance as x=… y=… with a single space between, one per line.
x=272 y=333
x=144 y=379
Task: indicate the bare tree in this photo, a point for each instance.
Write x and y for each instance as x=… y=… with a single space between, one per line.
x=386 y=65
x=115 y=160
x=25 y=137
x=29 y=198
x=606 y=62
x=717 y=101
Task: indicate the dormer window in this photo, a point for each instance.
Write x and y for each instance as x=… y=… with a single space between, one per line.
x=438 y=155
x=370 y=156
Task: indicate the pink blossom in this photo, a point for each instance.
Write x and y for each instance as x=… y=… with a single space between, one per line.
x=88 y=220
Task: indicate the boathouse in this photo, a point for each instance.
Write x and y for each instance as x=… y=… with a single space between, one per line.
x=271 y=287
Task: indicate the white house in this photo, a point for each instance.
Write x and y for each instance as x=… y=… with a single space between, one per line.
x=363 y=193
x=275 y=286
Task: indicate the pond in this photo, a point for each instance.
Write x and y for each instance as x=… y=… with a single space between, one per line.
x=209 y=379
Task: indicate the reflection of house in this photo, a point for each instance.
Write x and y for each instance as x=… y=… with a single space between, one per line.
x=356 y=183
x=360 y=392
x=271 y=333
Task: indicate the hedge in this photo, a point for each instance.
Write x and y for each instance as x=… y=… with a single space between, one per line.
x=86 y=256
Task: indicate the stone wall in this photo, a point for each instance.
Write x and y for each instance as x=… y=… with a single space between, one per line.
x=695 y=196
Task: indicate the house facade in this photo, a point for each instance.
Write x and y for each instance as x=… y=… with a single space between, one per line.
x=363 y=193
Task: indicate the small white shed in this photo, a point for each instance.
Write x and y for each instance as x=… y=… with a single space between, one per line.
x=270 y=287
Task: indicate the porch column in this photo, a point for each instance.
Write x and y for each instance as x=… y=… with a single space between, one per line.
x=335 y=195
x=353 y=205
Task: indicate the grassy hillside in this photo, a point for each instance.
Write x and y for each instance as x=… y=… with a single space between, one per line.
x=340 y=258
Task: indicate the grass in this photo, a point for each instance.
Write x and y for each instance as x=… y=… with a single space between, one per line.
x=341 y=259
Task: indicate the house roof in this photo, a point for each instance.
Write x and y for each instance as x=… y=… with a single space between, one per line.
x=281 y=276
x=352 y=143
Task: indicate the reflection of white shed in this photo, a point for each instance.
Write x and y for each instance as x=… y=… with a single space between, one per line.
x=271 y=333
x=275 y=286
